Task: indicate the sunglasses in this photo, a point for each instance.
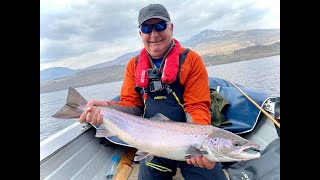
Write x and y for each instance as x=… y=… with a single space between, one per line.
x=147 y=28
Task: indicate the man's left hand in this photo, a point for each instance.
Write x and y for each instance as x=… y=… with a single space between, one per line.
x=201 y=161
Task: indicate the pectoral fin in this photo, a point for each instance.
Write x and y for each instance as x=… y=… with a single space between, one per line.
x=194 y=152
x=102 y=131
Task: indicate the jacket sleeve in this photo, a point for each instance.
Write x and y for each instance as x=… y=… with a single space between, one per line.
x=129 y=97
x=194 y=76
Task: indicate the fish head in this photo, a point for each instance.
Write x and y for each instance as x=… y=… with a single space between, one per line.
x=224 y=146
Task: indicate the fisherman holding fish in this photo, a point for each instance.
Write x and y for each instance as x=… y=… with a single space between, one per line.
x=156 y=82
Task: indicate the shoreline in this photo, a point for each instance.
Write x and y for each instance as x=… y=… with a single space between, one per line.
x=116 y=73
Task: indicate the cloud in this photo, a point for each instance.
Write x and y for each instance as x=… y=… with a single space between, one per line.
x=80 y=33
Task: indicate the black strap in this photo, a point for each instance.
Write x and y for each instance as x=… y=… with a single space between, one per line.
x=137 y=59
x=181 y=60
x=183 y=56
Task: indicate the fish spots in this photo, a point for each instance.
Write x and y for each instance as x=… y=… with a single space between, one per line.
x=214 y=141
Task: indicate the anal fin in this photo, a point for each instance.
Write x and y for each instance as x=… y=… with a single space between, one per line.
x=102 y=131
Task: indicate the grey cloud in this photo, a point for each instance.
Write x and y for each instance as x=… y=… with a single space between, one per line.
x=98 y=22
x=83 y=29
x=57 y=50
x=249 y=17
x=220 y=16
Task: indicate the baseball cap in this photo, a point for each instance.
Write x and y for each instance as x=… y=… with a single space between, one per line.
x=153 y=11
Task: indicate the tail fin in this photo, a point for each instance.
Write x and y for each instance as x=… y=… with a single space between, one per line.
x=74 y=106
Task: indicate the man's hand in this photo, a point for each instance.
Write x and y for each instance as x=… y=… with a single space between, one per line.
x=201 y=161
x=91 y=114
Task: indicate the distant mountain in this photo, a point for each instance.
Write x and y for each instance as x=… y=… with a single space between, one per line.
x=55 y=73
x=212 y=42
x=257 y=36
x=121 y=60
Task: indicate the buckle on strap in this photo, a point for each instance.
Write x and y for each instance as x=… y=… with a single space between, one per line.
x=167 y=87
x=169 y=90
x=141 y=90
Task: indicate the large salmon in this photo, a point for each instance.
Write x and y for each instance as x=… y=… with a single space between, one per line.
x=162 y=137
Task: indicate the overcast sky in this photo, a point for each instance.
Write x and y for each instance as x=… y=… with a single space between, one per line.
x=80 y=33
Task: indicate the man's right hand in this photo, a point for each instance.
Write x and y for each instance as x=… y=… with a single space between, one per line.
x=91 y=113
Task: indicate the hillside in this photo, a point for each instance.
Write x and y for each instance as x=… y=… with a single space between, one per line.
x=56 y=73
x=215 y=47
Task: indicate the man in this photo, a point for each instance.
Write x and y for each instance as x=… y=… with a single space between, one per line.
x=156 y=83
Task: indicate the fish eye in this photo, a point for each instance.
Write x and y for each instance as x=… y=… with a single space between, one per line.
x=236 y=143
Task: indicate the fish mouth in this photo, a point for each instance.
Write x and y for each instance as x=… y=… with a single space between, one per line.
x=251 y=150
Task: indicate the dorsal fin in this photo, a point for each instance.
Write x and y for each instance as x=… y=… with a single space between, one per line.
x=160 y=117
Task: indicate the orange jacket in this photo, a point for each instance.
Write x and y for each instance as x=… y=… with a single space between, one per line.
x=193 y=76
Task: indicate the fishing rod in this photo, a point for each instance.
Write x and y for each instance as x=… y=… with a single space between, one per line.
x=264 y=112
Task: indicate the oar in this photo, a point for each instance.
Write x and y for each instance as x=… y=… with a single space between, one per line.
x=264 y=112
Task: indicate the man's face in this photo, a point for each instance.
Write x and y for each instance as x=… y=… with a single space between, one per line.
x=157 y=43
